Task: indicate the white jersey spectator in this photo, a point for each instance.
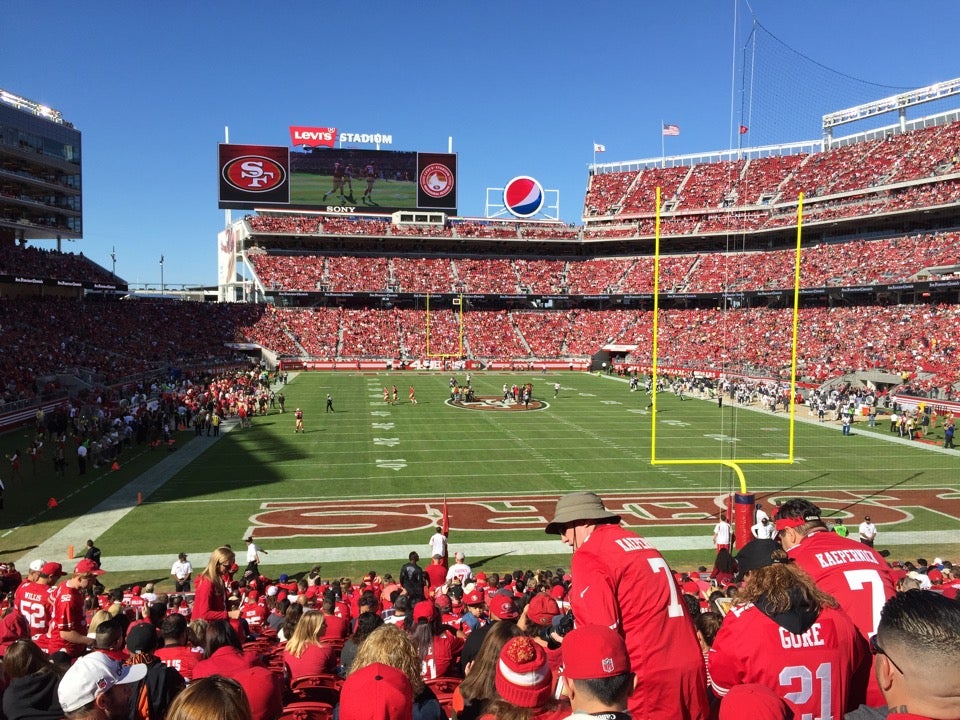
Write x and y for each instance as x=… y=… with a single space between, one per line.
x=459 y=569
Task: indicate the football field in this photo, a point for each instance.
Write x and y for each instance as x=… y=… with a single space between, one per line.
x=309 y=189
x=364 y=485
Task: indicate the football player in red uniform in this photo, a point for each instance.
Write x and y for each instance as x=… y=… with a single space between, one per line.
x=856 y=575
x=622 y=582
x=298 y=415
x=339 y=172
x=370 y=175
x=789 y=635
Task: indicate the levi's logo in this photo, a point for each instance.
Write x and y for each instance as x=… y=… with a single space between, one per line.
x=313 y=136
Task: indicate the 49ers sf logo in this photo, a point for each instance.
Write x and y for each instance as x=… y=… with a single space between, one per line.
x=497 y=404
x=254 y=173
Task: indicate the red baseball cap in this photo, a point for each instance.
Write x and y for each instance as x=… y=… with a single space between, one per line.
x=594 y=651
x=87 y=567
x=52 y=569
x=423 y=610
x=751 y=701
x=542 y=609
x=13 y=627
x=503 y=608
x=443 y=601
x=474 y=597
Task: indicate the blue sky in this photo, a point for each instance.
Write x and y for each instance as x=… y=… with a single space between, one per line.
x=523 y=88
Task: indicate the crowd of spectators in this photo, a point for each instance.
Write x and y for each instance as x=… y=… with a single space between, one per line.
x=851 y=262
x=446 y=637
x=287 y=224
x=111 y=340
x=108 y=341
x=918 y=341
x=858 y=168
x=35 y=262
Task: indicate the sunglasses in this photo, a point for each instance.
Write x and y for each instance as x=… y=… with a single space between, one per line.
x=877 y=650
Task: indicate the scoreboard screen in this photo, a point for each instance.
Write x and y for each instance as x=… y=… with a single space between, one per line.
x=336 y=179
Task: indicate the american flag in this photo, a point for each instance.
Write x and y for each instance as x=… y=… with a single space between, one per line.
x=671 y=129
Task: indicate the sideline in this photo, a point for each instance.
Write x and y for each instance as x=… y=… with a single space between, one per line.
x=377 y=553
x=114 y=508
x=828 y=424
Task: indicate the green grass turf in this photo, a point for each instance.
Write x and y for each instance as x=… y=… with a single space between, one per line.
x=308 y=189
x=595 y=436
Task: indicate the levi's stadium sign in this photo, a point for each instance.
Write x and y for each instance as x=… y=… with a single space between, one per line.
x=301 y=136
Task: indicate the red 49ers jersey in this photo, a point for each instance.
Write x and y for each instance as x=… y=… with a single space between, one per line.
x=623 y=582
x=856 y=575
x=32 y=599
x=821 y=673
x=67 y=614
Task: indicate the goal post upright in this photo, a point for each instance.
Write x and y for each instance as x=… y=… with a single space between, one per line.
x=458 y=301
x=734 y=465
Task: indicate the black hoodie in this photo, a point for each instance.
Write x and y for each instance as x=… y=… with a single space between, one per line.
x=797 y=619
x=33 y=697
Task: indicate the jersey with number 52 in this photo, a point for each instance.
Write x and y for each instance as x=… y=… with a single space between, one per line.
x=32 y=599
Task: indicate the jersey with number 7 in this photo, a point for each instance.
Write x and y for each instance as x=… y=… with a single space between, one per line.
x=856 y=575
x=623 y=582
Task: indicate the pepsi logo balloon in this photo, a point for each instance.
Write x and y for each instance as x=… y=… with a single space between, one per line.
x=523 y=196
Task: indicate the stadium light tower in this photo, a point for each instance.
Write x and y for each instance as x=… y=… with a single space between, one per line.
x=113 y=257
x=161 y=276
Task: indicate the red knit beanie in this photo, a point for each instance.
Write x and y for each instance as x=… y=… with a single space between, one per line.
x=523 y=675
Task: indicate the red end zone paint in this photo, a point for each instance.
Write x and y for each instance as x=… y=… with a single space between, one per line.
x=331 y=518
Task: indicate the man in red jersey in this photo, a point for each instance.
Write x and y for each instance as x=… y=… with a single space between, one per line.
x=856 y=575
x=32 y=599
x=787 y=634
x=176 y=651
x=254 y=611
x=436 y=572
x=622 y=582
x=68 y=624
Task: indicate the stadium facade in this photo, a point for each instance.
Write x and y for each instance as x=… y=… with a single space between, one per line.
x=41 y=178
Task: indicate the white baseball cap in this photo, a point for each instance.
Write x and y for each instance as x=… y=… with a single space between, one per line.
x=93 y=675
x=37 y=565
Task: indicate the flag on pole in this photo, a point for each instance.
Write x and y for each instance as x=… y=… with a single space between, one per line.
x=669 y=129
x=597 y=147
x=744 y=129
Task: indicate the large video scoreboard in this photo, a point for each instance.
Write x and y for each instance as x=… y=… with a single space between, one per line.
x=336 y=179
